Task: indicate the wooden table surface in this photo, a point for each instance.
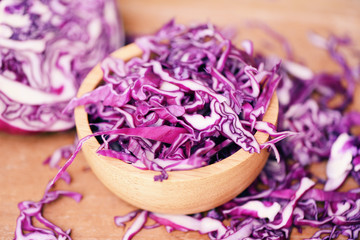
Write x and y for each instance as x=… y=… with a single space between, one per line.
x=24 y=177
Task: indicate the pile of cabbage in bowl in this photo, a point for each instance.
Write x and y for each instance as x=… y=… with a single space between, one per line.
x=191 y=99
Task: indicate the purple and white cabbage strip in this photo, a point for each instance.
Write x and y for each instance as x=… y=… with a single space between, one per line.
x=64 y=152
x=29 y=210
x=46 y=49
x=195 y=88
x=342 y=155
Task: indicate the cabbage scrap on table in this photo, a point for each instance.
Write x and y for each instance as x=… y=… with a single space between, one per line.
x=286 y=195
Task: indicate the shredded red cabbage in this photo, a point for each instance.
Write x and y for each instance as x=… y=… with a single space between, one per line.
x=284 y=195
x=30 y=210
x=64 y=152
x=46 y=49
x=195 y=88
x=290 y=199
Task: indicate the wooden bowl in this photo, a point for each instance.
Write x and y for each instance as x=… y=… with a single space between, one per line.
x=184 y=192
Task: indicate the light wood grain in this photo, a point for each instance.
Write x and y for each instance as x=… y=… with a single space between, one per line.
x=184 y=192
x=23 y=177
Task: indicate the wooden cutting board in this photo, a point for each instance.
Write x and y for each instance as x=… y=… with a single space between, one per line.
x=24 y=177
